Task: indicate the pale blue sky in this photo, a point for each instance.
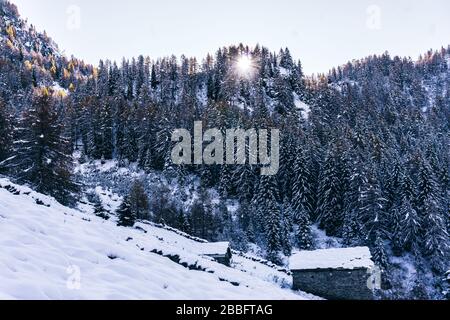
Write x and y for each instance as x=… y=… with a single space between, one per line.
x=322 y=33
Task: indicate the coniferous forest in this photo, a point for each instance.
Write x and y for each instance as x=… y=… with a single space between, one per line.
x=364 y=153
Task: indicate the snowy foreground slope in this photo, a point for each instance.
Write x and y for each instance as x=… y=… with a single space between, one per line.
x=48 y=251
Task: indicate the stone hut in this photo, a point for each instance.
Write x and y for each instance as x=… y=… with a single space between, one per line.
x=336 y=274
x=219 y=251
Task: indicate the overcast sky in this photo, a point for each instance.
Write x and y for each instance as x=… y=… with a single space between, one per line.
x=322 y=33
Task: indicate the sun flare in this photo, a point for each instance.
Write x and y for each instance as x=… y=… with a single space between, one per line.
x=245 y=64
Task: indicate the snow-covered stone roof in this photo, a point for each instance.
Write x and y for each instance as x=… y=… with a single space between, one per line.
x=213 y=248
x=339 y=258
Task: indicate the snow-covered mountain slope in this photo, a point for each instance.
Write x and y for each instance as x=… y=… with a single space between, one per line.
x=49 y=251
x=17 y=34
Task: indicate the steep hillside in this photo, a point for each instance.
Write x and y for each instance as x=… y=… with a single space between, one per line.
x=30 y=59
x=45 y=245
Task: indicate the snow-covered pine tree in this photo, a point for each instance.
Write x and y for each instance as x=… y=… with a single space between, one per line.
x=445 y=181
x=284 y=99
x=146 y=139
x=90 y=122
x=352 y=229
x=409 y=235
x=103 y=78
x=371 y=209
x=437 y=241
x=399 y=208
x=274 y=232
x=268 y=216
x=395 y=229
x=244 y=177
x=183 y=222
x=42 y=154
x=393 y=186
x=105 y=130
x=125 y=214
x=163 y=144
x=128 y=136
x=427 y=189
x=304 y=234
x=379 y=252
x=141 y=74
x=138 y=200
x=301 y=188
x=99 y=209
x=287 y=157
x=203 y=223
x=330 y=198
x=266 y=193
x=226 y=185
x=295 y=72
x=408 y=190
x=153 y=78
x=432 y=211
x=286 y=224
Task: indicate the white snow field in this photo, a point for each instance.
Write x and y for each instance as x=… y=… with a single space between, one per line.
x=48 y=251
